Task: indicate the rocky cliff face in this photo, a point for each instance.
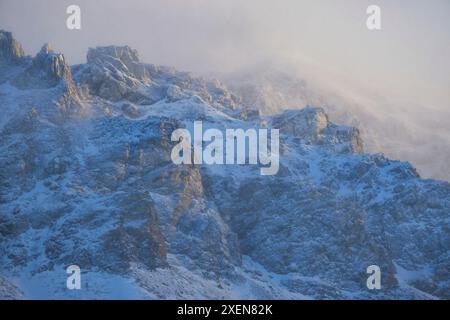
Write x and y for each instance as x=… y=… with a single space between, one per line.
x=55 y=97
x=47 y=70
x=116 y=74
x=97 y=188
x=11 y=51
x=312 y=126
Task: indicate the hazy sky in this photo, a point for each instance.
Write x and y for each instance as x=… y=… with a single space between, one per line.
x=410 y=56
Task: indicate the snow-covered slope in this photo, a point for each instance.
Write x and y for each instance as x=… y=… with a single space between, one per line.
x=86 y=178
x=401 y=130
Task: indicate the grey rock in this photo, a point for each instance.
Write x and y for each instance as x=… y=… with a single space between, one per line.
x=11 y=51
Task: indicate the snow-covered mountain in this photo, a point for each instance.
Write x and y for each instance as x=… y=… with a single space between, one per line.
x=86 y=178
x=401 y=130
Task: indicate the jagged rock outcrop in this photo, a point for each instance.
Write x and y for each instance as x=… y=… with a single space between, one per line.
x=47 y=69
x=124 y=59
x=11 y=51
x=48 y=72
x=312 y=126
x=115 y=73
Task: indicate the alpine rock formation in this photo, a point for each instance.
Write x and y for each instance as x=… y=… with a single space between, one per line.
x=400 y=129
x=86 y=179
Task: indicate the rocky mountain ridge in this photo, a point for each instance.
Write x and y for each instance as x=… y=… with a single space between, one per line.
x=86 y=178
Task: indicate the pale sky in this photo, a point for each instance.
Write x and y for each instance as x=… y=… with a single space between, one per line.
x=410 y=56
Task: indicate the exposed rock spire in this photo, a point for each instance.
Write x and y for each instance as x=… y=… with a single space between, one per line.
x=11 y=51
x=47 y=69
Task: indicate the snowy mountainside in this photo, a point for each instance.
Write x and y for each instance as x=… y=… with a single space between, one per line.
x=420 y=136
x=86 y=178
